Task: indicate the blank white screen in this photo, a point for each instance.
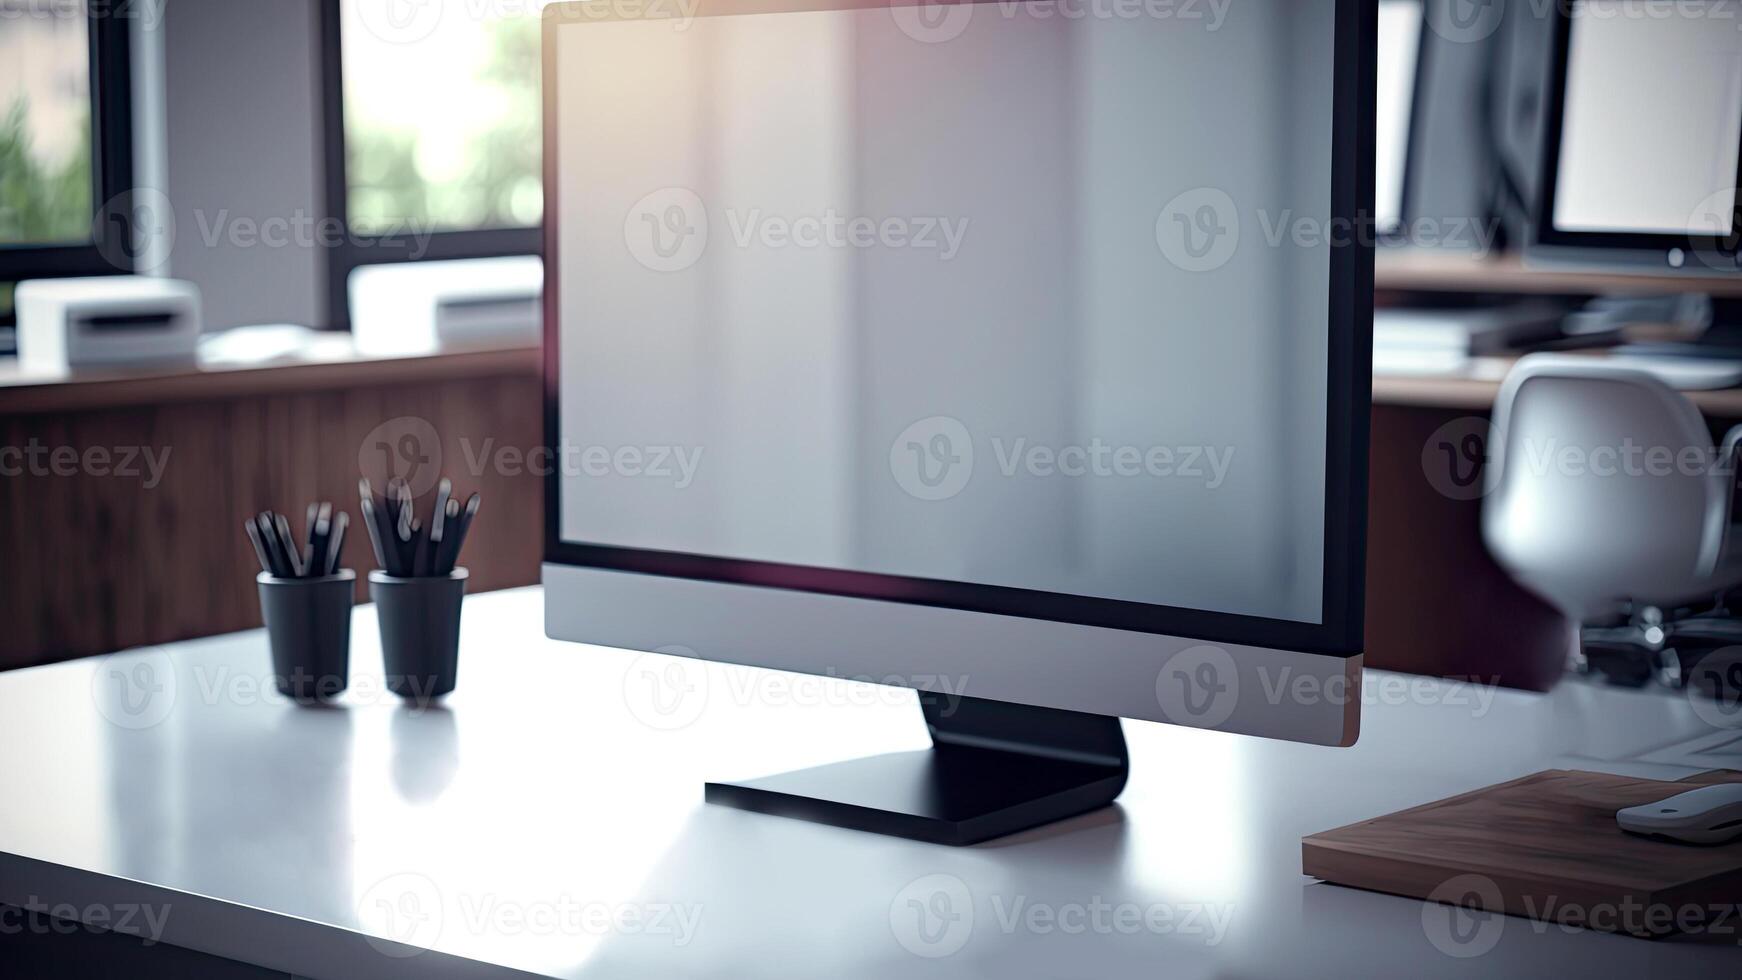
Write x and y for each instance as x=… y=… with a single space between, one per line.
x=1652 y=118
x=797 y=372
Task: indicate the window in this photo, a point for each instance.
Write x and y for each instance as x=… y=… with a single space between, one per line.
x=65 y=140
x=8 y=340
x=433 y=132
x=45 y=128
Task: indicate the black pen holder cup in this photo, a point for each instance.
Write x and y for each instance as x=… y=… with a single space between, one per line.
x=420 y=632
x=308 y=627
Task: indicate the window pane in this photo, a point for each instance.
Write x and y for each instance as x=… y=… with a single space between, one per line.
x=8 y=335
x=442 y=115
x=45 y=122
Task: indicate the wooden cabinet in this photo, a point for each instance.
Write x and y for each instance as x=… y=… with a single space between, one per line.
x=122 y=499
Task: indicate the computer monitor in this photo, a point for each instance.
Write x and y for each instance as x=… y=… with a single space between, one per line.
x=1642 y=134
x=1017 y=358
x=1399 y=50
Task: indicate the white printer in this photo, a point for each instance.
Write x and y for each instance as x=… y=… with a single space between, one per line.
x=105 y=320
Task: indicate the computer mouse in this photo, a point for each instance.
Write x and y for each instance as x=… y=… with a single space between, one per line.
x=1708 y=815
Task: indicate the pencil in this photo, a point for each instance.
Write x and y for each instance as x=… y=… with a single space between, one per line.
x=466 y=516
x=372 y=525
x=253 y=530
x=336 y=543
x=444 y=557
x=289 y=544
x=274 y=550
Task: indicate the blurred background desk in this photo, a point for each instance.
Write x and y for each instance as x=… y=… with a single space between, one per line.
x=134 y=560
x=1436 y=601
x=138 y=565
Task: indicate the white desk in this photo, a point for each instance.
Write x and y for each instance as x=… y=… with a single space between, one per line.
x=549 y=796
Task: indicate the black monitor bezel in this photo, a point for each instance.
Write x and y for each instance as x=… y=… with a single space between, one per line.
x=1544 y=231
x=1349 y=360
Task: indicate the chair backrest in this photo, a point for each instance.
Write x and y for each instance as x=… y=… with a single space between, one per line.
x=1604 y=487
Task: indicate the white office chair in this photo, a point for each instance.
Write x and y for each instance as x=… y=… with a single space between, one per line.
x=1607 y=499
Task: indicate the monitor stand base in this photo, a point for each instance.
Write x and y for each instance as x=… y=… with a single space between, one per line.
x=994 y=768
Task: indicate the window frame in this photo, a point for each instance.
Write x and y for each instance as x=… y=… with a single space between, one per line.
x=355 y=250
x=111 y=86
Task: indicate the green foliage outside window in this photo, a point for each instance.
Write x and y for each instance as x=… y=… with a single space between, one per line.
x=500 y=182
x=42 y=203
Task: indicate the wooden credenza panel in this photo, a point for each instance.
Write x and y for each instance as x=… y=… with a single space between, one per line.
x=1437 y=603
x=91 y=563
x=94 y=559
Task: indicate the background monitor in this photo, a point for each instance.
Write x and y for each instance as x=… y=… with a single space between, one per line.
x=963 y=341
x=1399 y=59
x=1642 y=137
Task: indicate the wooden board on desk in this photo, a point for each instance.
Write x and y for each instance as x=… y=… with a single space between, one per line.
x=1545 y=846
